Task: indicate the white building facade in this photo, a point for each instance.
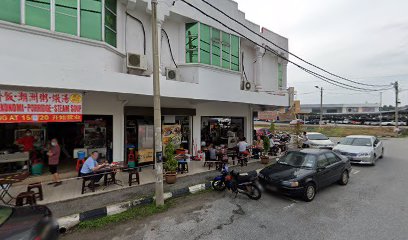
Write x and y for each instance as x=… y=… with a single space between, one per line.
x=81 y=46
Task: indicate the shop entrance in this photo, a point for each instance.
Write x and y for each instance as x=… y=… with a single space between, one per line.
x=221 y=131
x=140 y=135
x=93 y=133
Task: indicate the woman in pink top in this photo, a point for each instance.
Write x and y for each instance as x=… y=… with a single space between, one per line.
x=53 y=161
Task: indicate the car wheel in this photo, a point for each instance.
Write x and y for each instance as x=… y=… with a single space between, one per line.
x=373 y=160
x=344 y=178
x=309 y=193
x=382 y=153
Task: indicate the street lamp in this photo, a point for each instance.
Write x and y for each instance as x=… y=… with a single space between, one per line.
x=321 y=104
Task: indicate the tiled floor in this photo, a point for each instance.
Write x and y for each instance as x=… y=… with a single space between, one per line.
x=71 y=187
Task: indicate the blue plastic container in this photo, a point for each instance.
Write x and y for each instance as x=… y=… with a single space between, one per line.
x=36 y=169
x=81 y=155
x=131 y=164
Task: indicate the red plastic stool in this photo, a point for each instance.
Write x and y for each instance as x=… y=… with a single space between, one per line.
x=80 y=162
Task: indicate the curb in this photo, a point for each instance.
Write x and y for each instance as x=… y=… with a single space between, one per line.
x=68 y=222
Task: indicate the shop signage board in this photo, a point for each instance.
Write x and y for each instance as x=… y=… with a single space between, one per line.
x=268 y=115
x=171 y=132
x=26 y=107
x=146 y=155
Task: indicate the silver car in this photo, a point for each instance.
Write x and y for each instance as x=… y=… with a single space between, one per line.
x=318 y=140
x=361 y=149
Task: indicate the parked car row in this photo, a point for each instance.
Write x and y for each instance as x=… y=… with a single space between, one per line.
x=302 y=173
x=356 y=122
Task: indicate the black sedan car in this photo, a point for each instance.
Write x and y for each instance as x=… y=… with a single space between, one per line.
x=302 y=173
x=31 y=222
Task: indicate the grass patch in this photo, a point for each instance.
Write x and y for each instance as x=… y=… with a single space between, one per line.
x=404 y=133
x=135 y=213
x=138 y=212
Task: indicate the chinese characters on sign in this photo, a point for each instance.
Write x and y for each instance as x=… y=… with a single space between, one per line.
x=22 y=106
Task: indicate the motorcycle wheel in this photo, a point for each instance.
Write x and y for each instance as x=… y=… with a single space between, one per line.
x=218 y=185
x=255 y=193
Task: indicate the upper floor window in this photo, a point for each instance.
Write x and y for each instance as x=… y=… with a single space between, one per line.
x=280 y=76
x=208 y=45
x=92 y=19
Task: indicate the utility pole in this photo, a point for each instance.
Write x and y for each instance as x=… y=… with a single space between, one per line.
x=380 y=109
x=321 y=105
x=396 y=103
x=157 y=108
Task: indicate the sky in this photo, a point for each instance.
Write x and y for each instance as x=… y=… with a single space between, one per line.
x=362 y=40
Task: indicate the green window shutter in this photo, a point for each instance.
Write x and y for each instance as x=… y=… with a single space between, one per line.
x=205 y=44
x=192 y=43
x=66 y=16
x=110 y=22
x=111 y=4
x=280 y=76
x=91 y=19
x=226 y=49
x=216 y=47
x=10 y=11
x=37 y=13
x=235 y=53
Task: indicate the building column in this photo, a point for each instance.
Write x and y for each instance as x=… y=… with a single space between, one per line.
x=258 y=67
x=196 y=133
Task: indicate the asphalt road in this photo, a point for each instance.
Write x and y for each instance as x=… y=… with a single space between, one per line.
x=374 y=205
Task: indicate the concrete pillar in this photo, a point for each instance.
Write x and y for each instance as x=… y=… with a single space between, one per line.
x=258 y=67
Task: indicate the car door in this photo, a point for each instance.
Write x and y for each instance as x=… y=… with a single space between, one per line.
x=323 y=171
x=377 y=147
x=335 y=166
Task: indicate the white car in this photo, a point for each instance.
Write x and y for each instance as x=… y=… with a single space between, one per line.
x=318 y=140
x=296 y=121
x=361 y=149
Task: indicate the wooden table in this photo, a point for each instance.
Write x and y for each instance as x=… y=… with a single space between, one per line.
x=6 y=181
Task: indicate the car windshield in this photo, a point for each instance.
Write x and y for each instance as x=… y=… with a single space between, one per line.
x=298 y=159
x=317 y=136
x=356 y=142
x=5 y=213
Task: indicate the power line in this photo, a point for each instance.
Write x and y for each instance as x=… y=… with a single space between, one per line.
x=283 y=49
x=326 y=79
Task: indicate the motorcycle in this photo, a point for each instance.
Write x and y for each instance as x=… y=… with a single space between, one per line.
x=238 y=183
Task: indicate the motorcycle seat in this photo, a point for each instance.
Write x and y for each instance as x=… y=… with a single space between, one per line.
x=247 y=177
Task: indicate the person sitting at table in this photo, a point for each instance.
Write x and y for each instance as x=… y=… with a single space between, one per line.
x=242 y=146
x=91 y=168
x=213 y=152
x=259 y=148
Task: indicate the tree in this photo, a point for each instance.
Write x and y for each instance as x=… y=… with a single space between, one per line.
x=298 y=131
x=272 y=127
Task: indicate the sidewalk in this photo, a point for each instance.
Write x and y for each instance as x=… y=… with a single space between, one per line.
x=71 y=186
x=106 y=198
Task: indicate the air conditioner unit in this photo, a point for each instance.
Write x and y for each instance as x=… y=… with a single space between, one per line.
x=246 y=85
x=172 y=74
x=136 y=61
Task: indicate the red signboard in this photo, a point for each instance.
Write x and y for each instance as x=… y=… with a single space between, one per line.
x=22 y=106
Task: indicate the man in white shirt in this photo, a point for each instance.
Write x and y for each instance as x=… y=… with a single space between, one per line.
x=242 y=145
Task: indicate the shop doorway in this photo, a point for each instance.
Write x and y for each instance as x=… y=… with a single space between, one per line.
x=140 y=135
x=93 y=133
x=222 y=131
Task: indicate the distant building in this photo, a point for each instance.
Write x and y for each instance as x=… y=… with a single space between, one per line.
x=340 y=108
